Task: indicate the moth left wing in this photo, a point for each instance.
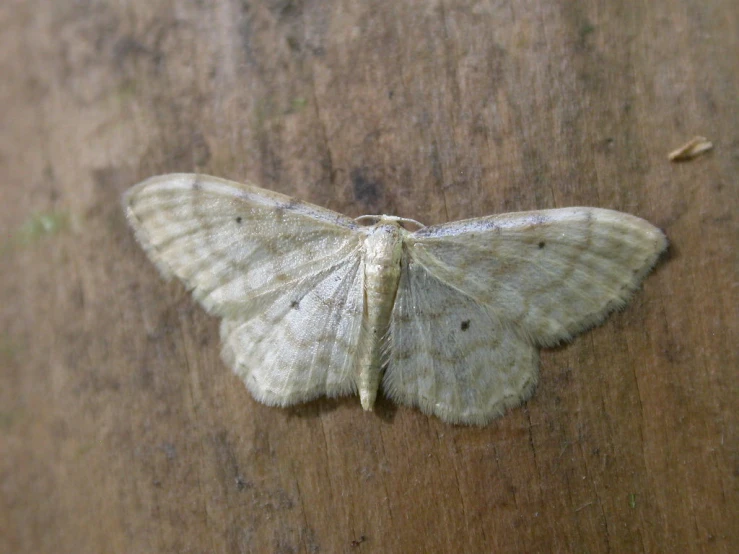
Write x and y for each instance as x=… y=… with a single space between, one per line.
x=477 y=297
x=450 y=356
x=550 y=273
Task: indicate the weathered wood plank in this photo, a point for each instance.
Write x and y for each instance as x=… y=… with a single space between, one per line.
x=122 y=431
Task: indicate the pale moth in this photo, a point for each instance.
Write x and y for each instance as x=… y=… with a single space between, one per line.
x=449 y=317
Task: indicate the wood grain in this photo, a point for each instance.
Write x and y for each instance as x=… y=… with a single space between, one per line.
x=122 y=431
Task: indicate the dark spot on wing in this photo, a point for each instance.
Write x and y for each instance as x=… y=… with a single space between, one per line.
x=295 y=305
x=465 y=325
x=542 y=244
x=238 y=220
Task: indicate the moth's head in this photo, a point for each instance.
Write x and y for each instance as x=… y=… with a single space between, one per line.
x=383 y=247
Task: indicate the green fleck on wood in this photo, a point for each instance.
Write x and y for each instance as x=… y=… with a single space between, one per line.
x=41 y=225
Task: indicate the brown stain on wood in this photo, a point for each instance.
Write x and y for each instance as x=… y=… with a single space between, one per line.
x=122 y=431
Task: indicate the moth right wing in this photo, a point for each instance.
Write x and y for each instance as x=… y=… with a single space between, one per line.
x=286 y=276
x=304 y=343
x=477 y=298
x=235 y=245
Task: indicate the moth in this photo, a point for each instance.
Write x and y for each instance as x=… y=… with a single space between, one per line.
x=448 y=318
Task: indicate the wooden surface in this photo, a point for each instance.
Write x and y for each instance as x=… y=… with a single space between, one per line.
x=122 y=431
